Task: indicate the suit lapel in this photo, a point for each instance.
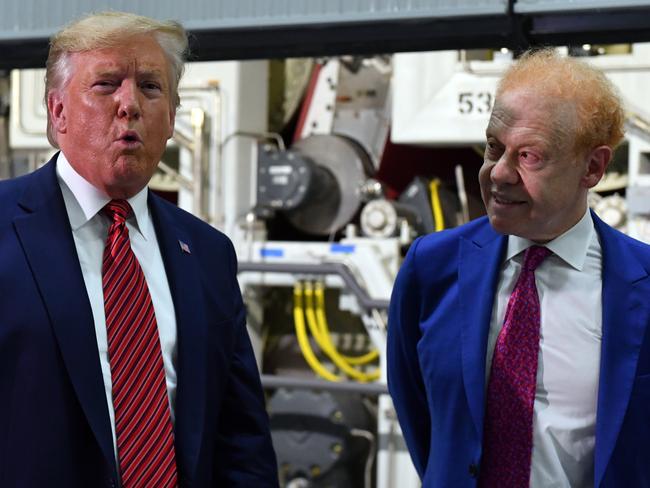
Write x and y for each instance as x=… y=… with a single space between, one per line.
x=478 y=273
x=625 y=314
x=182 y=269
x=46 y=238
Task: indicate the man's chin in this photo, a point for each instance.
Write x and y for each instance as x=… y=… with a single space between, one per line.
x=125 y=185
x=507 y=228
x=504 y=225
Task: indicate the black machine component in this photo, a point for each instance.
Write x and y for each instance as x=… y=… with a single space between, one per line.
x=417 y=196
x=316 y=438
x=315 y=184
x=287 y=180
x=381 y=217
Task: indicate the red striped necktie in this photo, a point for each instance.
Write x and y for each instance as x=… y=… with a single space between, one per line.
x=143 y=427
x=508 y=430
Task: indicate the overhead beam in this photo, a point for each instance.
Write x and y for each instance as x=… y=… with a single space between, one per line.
x=511 y=29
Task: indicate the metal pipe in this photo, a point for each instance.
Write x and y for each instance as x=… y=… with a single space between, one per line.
x=168 y=170
x=198 y=176
x=339 y=269
x=216 y=177
x=462 y=194
x=364 y=434
x=5 y=159
x=257 y=136
x=183 y=140
x=270 y=382
x=636 y=121
x=210 y=157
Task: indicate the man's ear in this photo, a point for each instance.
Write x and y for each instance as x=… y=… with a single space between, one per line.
x=55 y=108
x=597 y=161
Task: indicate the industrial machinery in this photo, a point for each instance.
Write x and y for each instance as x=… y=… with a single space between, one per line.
x=381 y=149
x=320 y=437
x=323 y=238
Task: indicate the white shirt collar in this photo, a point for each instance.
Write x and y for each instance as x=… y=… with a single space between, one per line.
x=91 y=200
x=571 y=246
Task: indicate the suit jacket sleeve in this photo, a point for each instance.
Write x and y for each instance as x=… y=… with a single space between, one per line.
x=244 y=453
x=405 y=381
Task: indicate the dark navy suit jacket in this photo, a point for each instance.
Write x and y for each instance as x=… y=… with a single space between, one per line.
x=54 y=423
x=437 y=337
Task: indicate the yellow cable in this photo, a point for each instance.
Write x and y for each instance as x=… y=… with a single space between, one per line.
x=435 y=204
x=303 y=340
x=309 y=314
x=321 y=320
x=327 y=346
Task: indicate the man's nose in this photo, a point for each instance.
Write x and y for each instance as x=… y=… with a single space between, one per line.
x=128 y=100
x=504 y=172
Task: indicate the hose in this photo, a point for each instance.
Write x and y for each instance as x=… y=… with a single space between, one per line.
x=436 y=205
x=303 y=340
x=321 y=320
x=326 y=345
x=364 y=434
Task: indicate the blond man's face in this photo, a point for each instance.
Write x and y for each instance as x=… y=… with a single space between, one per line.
x=114 y=117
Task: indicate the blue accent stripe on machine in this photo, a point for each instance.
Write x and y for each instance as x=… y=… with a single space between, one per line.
x=272 y=253
x=342 y=248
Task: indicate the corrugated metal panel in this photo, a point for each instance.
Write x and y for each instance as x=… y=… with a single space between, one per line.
x=556 y=6
x=40 y=18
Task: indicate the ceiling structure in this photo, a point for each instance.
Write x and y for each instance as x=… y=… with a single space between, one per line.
x=256 y=29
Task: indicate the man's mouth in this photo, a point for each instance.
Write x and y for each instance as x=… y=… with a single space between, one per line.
x=504 y=200
x=130 y=137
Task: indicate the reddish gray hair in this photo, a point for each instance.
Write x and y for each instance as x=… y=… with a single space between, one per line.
x=598 y=105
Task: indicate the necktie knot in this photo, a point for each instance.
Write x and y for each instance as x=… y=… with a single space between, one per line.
x=117 y=210
x=534 y=256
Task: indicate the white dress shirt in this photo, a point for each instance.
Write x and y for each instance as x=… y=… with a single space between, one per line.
x=83 y=203
x=569 y=283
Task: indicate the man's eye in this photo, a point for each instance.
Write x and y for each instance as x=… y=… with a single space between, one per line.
x=528 y=157
x=104 y=86
x=492 y=149
x=151 y=86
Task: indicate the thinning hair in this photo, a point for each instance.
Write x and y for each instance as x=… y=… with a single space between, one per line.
x=598 y=105
x=110 y=29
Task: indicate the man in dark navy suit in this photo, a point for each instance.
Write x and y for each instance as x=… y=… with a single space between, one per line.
x=124 y=356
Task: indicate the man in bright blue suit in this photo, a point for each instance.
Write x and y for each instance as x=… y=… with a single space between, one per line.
x=554 y=126
x=111 y=85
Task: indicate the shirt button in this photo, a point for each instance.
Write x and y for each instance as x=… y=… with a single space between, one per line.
x=473 y=470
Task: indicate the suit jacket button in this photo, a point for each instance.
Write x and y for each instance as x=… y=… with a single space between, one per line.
x=473 y=470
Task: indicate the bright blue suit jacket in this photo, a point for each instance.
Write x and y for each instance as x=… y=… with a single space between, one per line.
x=54 y=423
x=437 y=334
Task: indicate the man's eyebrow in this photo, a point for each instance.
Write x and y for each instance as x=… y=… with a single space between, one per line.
x=107 y=72
x=489 y=130
x=151 y=73
x=489 y=136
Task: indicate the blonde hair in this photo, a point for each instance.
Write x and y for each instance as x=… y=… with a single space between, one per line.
x=110 y=29
x=598 y=105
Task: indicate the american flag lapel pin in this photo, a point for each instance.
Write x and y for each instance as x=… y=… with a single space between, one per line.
x=184 y=247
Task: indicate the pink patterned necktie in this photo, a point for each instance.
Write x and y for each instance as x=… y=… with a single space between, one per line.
x=508 y=430
x=143 y=427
